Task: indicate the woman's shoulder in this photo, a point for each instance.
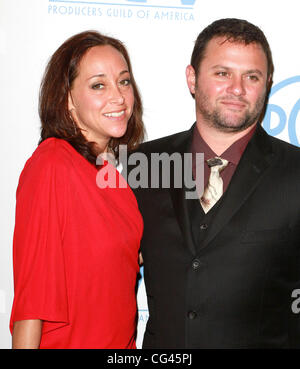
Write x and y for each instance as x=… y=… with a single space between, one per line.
x=51 y=154
x=54 y=151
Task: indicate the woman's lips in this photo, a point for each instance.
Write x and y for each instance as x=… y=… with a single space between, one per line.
x=115 y=114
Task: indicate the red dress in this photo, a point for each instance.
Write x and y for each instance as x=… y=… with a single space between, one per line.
x=75 y=252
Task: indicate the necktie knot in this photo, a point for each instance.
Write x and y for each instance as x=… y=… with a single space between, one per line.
x=217 y=163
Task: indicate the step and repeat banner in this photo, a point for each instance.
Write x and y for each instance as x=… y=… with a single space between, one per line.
x=159 y=35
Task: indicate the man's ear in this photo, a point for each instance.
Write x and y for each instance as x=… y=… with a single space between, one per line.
x=270 y=82
x=191 y=78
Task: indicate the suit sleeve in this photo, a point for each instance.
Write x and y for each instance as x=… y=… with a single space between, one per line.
x=39 y=273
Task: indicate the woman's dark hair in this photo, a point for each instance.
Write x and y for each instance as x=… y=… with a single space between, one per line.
x=59 y=76
x=235 y=30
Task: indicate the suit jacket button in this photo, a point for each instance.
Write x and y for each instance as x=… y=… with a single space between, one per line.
x=203 y=226
x=192 y=315
x=196 y=264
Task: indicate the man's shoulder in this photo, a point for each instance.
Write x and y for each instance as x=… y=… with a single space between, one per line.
x=284 y=147
x=287 y=158
x=164 y=144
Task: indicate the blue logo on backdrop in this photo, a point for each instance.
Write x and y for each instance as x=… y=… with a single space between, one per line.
x=143 y=308
x=285 y=119
x=166 y=10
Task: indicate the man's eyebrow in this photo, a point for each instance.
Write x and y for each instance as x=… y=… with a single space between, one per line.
x=104 y=75
x=253 y=71
x=250 y=71
x=220 y=66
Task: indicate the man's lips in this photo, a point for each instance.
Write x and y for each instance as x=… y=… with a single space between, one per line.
x=233 y=104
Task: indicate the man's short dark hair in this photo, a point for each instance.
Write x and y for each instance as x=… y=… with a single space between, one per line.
x=235 y=30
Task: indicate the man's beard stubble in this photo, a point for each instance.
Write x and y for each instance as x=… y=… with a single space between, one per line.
x=214 y=118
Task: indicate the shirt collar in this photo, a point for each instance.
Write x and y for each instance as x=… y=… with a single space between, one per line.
x=232 y=154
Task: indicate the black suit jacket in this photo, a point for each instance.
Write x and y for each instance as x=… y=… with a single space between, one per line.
x=233 y=288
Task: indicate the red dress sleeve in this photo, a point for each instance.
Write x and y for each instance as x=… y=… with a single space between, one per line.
x=38 y=255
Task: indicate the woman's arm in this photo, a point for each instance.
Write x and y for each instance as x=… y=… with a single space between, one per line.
x=27 y=334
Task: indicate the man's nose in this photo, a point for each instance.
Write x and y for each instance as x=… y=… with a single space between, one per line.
x=236 y=86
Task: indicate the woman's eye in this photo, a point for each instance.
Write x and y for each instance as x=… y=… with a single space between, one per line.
x=97 y=86
x=125 y=82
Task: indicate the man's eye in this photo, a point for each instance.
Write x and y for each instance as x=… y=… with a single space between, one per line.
x=253 y=78
x=222 y=74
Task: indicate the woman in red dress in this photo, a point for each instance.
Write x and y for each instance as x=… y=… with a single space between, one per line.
x=76 y=244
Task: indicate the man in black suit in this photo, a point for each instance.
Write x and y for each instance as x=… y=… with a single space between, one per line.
x=222 y=270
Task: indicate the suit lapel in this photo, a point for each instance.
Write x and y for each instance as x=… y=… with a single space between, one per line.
x=182 y=145
x=255 y=161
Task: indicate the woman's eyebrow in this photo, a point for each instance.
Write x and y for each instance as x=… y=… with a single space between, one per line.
x=104 y=75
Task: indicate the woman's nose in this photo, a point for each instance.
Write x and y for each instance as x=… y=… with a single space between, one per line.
x=116 y=96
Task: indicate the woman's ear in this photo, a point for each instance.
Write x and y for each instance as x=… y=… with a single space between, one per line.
x=70 y=102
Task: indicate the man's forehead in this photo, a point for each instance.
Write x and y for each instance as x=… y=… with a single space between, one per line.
x=226 y=40
x=225 y=48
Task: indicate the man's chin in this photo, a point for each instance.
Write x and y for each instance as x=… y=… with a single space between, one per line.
x=232 y=127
